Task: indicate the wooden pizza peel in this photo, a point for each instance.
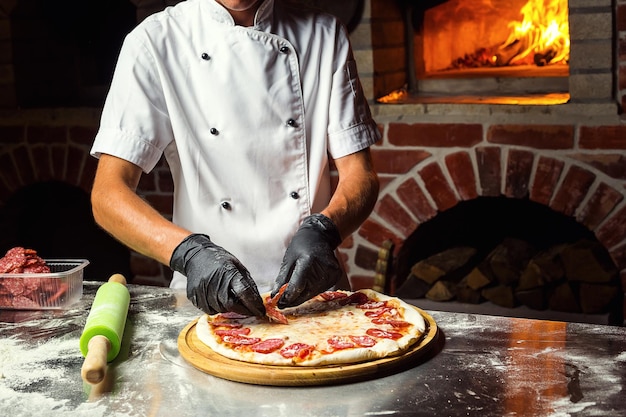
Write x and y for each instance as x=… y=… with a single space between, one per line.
x=205 y=359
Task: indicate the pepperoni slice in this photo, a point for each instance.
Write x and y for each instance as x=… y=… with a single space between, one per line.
x=396 y=324
x=378 y=313
x=243 y=331
x=356 y=298
x=267 y=345
x=383 y=334
x=237 y=340
x=296 y=350
x=271 y=311
x=340 y=342
x=333 y=295
x=363 y=341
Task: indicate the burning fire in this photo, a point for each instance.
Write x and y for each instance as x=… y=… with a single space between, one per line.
x=541 y=38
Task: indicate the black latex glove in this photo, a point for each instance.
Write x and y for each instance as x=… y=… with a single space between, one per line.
x=216 y=281
x=309 y=265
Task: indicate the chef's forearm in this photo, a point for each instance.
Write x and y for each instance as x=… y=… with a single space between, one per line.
x=356 y=193
x=127 y=217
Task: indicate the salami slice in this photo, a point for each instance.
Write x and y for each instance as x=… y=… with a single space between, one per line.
x=267 y=345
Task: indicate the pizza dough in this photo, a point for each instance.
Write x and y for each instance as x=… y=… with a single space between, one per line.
x=336 y=327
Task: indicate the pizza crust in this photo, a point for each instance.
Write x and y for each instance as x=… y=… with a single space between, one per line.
x=310 y=324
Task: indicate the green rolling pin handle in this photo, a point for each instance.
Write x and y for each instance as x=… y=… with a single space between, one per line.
x=94 y=367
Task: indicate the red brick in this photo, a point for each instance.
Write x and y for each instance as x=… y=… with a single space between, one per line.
x=165 y=182
x=75 y=160
x=366 y=258
x=162 y=203
x=572 y=191
x=435 y=134
x=622 y=77
x=461 y=170
x=89 y=173
x=547 y=175
x=621 y=17
x=377 y=234
x=347 y=243
x=389 y=60
x=42 y=162
x=411 y=194
x=9 y=172
x=519 y=169
x=82 y=135
x=602 y=202
x=21 y=155
x=383 y=9
x=613 y=231
x=385 y=181
x=391 y=211
x=148 y=182
x=59 y=159
x=489 y=170
x=438 y=187
x=46 y=134
x=11 y=135
x=534 y=136
x=359 y=282
x=385 y=34
x=618 y=255
x=396 y=161
x=612 y=164
x=602 y=137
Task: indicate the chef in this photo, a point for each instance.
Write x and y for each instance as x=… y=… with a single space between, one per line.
x=249 y=101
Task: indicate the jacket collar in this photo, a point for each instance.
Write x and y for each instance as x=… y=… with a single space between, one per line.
x=218 y=13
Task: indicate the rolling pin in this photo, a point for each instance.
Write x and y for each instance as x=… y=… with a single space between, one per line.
x=101 y=339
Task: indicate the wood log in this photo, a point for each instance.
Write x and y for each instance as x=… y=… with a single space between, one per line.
x=595 y=299
x=479 y=278
x=383 y=262
x=544 y=268
x=564 y=299
x=501 y=295
x=534 y=298
x=588 y=261
x=509 y=259
x=466 y=294
x=443 y=264
x=413 y=288
x=441 y=291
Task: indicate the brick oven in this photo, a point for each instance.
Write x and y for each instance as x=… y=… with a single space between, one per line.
x=442 y=150
x=439 y=150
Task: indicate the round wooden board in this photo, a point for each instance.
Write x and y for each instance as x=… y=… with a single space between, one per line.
x=205 y=359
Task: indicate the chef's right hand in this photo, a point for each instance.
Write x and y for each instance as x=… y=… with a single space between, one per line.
x=216 y=281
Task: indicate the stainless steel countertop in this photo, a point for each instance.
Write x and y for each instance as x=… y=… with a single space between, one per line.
x=481 y=366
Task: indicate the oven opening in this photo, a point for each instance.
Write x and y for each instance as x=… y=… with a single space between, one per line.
x=493 y=51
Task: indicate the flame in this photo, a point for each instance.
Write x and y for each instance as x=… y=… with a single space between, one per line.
x=543 y=34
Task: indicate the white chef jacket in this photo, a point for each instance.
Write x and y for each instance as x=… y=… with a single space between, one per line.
x=245 y=116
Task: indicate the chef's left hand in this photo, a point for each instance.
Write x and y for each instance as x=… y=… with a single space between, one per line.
x=309 y=265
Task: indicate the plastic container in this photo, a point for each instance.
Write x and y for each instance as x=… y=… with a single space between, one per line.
x=55 y=290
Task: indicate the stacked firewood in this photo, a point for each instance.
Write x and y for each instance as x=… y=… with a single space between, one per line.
x=576 y=277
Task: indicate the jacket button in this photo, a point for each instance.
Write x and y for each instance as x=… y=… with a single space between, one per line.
x=214 y=131
x=205 y=56
x=226 y=205
x=294 y=195
x=291 y=123
x=284 y=49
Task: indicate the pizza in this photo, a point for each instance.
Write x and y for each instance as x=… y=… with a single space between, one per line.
x=335 y=327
